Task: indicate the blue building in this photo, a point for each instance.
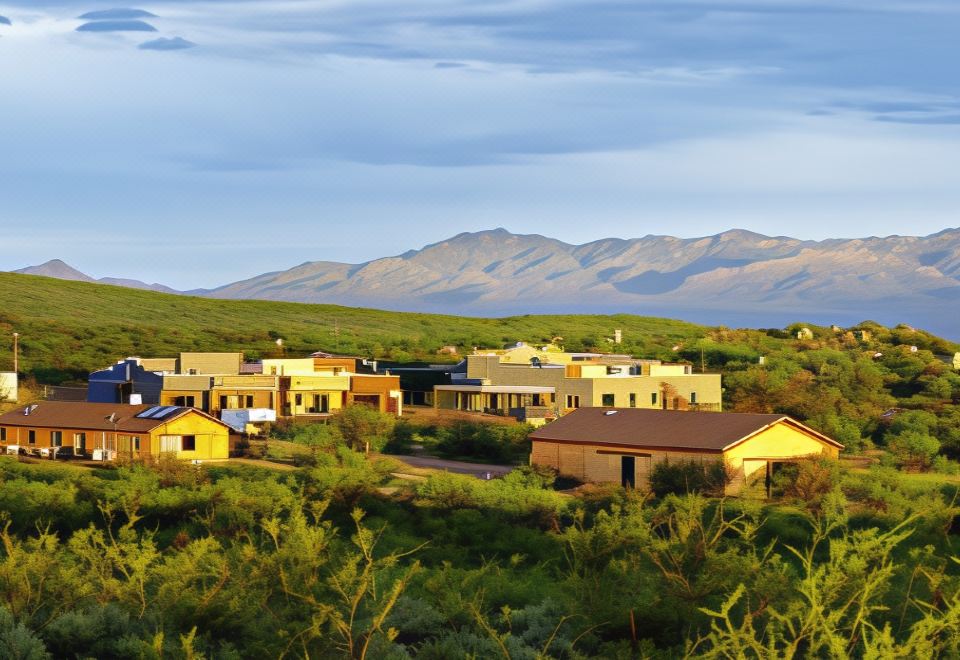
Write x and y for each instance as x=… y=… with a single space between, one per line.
x=117 y=383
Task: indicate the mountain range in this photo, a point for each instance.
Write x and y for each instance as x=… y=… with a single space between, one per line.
x=736 y=278
x=62 y=271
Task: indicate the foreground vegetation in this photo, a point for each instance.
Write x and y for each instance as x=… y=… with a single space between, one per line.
x=177 y=561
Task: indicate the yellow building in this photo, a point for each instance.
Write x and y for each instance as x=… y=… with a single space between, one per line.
x=623 y=445
x=574 y=380
x=8 y=386
x=107 y=430
x=319 y=394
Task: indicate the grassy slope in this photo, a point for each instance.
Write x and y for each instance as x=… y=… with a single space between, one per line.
x=71 y=328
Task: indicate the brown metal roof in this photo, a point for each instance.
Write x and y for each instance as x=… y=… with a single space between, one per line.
x=90 y=416
x=668 y=429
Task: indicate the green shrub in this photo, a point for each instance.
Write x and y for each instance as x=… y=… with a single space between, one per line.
x=678 y=477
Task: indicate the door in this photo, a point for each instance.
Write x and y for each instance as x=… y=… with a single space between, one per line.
x=628 y=471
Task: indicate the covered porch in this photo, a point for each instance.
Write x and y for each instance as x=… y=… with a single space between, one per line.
x=513 y=400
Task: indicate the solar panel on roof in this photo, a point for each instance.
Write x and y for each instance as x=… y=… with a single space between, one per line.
x=149 y=411
x=163 y=412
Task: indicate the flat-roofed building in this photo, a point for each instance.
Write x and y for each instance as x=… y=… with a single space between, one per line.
x=578 y=381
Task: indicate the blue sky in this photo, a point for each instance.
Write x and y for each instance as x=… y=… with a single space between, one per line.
x=296 y=130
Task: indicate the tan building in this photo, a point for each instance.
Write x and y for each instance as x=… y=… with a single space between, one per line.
x=623 y=445
x=570 y=381
x=107 y=430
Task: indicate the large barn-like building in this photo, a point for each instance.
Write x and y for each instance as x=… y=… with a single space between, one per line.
x=622 y=445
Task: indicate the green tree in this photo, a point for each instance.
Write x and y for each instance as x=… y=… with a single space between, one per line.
x=363 y=428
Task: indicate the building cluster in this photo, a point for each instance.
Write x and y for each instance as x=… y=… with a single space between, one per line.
x=538 y=384
x=614 y=415
x=244 y=394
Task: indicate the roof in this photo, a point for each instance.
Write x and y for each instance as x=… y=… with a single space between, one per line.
x=497 y=389
x=95 y=416
x=671 y=429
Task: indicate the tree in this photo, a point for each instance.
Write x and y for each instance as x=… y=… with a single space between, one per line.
x=914 y=449
x=364 y=428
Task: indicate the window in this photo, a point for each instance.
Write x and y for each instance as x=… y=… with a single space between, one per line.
x=633 y=399
x=224 y=403
x=185 y=401
x=189 y=443
x=3 y=434
x=249 y=401
x=56 y=438
x=32 y=437
x=693 y=397
x=298 y=400
x=169 y=443
x=607 y=400
x=80 y=442
x=653 y=398
x=573 y=401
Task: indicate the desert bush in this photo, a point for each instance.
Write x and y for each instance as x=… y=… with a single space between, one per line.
x=689 y=476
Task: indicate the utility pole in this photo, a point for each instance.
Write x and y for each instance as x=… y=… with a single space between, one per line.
x=16 y=352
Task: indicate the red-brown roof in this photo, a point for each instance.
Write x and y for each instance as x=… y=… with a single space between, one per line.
x=92 y=416
x=667 y=429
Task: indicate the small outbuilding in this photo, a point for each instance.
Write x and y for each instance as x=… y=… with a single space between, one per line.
x=622 y=445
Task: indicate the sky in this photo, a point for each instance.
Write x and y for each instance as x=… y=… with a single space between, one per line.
x=195 y=143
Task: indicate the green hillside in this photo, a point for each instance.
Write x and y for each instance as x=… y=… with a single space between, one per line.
x=70 y=328
x=843 y=382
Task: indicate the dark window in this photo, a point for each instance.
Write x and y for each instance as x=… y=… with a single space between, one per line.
x=223 y=403
x=693 y=397
x=189 y=443
x=653 y=398
x=633 y=399
x=56 y=438
x=3 y=434
x=249 y=401
x=136 y=443
x=32 y=437
x=573 y=401
x=80 y=441
x=607 y=400
x=298 y=399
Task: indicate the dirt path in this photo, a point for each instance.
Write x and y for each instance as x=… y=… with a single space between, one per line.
x=460 y=467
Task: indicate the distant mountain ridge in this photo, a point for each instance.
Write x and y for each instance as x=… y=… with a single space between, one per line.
x=733 y=277
x=62 y=271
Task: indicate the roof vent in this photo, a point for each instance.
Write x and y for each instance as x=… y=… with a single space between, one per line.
x=611 y=412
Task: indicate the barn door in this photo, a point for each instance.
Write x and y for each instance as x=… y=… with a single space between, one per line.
x=628 y=471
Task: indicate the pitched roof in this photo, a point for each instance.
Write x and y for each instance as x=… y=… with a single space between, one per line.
x=92 y=416
x=670 y=429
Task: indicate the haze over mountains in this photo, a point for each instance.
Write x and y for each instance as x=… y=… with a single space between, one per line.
x=734 y=278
